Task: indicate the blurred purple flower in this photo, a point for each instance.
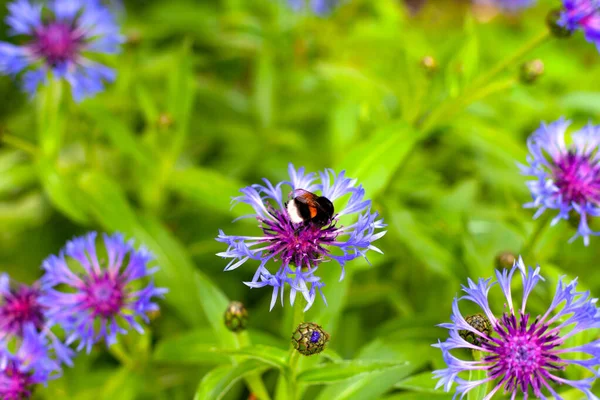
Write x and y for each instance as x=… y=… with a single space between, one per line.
x=30 y=365
x=319 y=7
x=524 y=353
x=57 y=44
x=568 y=177
x=20 y=307
x=509 y=5
x=584 y=15
x=98 y=298
x=299 y=249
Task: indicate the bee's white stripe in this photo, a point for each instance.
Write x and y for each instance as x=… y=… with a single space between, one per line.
x=293 y=212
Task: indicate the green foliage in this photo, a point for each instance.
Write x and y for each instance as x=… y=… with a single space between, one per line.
x=213 y=96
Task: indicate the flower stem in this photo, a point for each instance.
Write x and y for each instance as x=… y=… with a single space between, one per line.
x=253 y=381
x=530 y=244
x=294 y=358
x=50 y=121
x=513 y=59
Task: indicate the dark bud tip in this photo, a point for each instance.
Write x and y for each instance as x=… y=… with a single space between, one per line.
x=481 y=324
x=505 y=260
x=133 y=38
x=429 y=64
x=552 y=21
x=309 y=338
x=531 y=71
x=236 y=317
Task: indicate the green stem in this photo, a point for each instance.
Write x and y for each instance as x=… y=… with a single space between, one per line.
x=513 y=59
x=475 y=375
x=537 y=234
x=20 y=144
x=294 y=357
x=254 y=381
x=472 y=91
x=50 y=117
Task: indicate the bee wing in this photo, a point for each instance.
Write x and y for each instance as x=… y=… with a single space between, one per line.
x=305 y=197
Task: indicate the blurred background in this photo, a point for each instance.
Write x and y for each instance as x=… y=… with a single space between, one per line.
x=212 y=96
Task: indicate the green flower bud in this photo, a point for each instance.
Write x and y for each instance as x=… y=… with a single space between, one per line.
x=480 y=323
x=236 y=317
x=531 y=70
x=552 y=22
x=309 y=338
x=505 y=260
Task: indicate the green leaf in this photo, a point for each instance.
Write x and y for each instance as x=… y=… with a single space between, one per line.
x=267 y=354
x=63 y=194
x=217 y=382
x=207 y=189
x=264 y=82
x=118 y=132
x=434 y=255
x=196 y=347
x=422 y=383
x=340 y=371
x=375 y=161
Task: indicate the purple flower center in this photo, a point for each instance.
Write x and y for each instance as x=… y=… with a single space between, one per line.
x=298 y=244
x=16 y=385
x=104 y=295
x=314 y=338
x=57 y=43
x=21 y=307
x=578 y=178
x=522 y=354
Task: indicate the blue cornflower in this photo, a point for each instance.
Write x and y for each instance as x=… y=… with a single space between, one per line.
x=20 y=307
x=568 y=176
x=30 y=365
x=59 y=44
x=519 y=353
x=319 y=7
x=94 y=299
x=584 y=15
x=300 y=248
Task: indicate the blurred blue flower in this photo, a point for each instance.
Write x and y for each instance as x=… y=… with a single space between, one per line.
x=568 y=177
x=94 y=298
x=509 y=5
x=57 y=43
x=20 y=307
x=584 y=15
x=30 y=365
x=319 y=7
x=299 y=249
x=523 y=353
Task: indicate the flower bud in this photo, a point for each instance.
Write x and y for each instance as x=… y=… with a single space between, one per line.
x=165 y=121
x=236 y=317
x=309 y=338
x=505 y=260
x=429 y=64
x=552 y=21
x=480 y=323
x=531 y=70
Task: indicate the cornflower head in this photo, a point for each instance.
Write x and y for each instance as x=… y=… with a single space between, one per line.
x=519 y=353
x=567 y=176
x=95 y=298
x=584 y=15
x=300 y=247
x=28 y=366
x=58 y=44
x=319 y=7
x=20 y=307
